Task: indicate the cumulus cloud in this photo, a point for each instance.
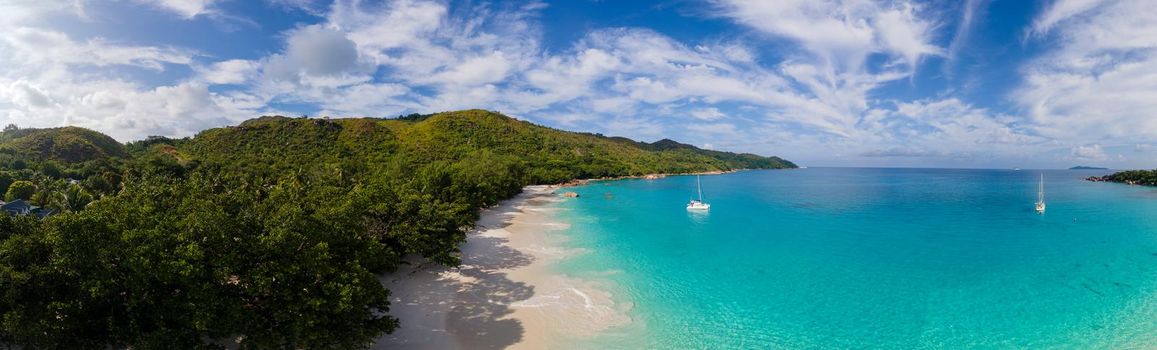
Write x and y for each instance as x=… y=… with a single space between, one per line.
x=26 y=95
x=185 y=8
x=845 y=32
x=14 y=13
x=54 y=79
x=1090 y=152
x=228 y=72
x=124 y=110
x=313 y=51
x=321 y=51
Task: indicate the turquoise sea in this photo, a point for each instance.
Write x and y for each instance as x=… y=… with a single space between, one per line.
x=872 y=258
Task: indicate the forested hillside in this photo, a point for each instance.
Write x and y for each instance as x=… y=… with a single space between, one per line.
x=546 y=155
x=1132 y=177
x=271 y=233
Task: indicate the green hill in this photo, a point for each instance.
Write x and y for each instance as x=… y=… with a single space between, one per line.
x=67 y=144
x=547 y=155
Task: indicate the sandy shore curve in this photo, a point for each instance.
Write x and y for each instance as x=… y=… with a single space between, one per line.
x=506 y=294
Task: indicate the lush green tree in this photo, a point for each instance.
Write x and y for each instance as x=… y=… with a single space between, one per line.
x=177 y=263
x=20 y=190
x=51 y=169
x=74 y=198
x=5 y=181
x=1136 y=177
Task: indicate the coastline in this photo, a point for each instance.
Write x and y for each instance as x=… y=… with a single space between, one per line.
x=580 y=182
x=506 y=293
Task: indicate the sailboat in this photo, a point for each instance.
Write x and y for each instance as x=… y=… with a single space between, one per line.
x=1040 y=195
x=698 y=204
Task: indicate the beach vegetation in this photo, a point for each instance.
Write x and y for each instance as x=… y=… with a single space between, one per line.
x=1132 y=177
x=272 y=233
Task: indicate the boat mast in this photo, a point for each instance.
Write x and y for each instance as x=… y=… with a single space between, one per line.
x=700 y=186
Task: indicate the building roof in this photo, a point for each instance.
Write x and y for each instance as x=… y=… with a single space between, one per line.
x=17 y=207
x=21 y=207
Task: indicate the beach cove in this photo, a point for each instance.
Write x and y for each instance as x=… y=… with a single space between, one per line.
x=507 y=293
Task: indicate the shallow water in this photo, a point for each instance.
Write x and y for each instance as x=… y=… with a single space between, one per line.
x=879 y=258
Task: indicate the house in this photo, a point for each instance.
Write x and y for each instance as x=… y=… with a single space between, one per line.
x=21 y=207
x=17 y=207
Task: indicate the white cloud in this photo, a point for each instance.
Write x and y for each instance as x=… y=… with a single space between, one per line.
x=52 y=79
x=228 y=72
x=185 y=8
x=26 y=95
x=124 y=110
x=316 y=50
x=479 y=70
x=710 y=113
x=972 y=10
x=714 y=128
x=900 y=152
x=1089 y=152
x=33 y=47
x=1058 y=11
x=837 y=38
x=841 y=31
x=18 y=12
x=1097 y=81
x=389 y=25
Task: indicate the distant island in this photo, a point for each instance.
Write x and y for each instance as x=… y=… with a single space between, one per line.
x=1131 y=177
x=1085 y=167
x=272 y=233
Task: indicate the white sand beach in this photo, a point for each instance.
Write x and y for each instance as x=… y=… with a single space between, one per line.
x=505 y=294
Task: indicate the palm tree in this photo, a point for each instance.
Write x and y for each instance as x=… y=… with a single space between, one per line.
x=72 y=199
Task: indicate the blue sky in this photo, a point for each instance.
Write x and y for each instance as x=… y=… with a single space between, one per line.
x=978 y=83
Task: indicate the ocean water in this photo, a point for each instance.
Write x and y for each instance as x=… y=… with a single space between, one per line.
x=872 y=258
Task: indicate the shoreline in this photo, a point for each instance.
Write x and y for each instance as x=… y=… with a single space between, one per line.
x=580 y=182
x=506 y=294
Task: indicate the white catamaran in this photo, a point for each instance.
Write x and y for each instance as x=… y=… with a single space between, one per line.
x=698 y=204
x=1040 y=195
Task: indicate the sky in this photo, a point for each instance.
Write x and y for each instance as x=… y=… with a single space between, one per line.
x=967 y=84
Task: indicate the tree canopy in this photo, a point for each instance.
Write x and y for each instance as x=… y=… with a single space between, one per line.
x=1136 y=177
x=271 y=233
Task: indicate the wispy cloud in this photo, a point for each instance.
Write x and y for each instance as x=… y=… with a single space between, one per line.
x=184 y=8
x=1059 y=11
x=1096 y=82
x=972 y=12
